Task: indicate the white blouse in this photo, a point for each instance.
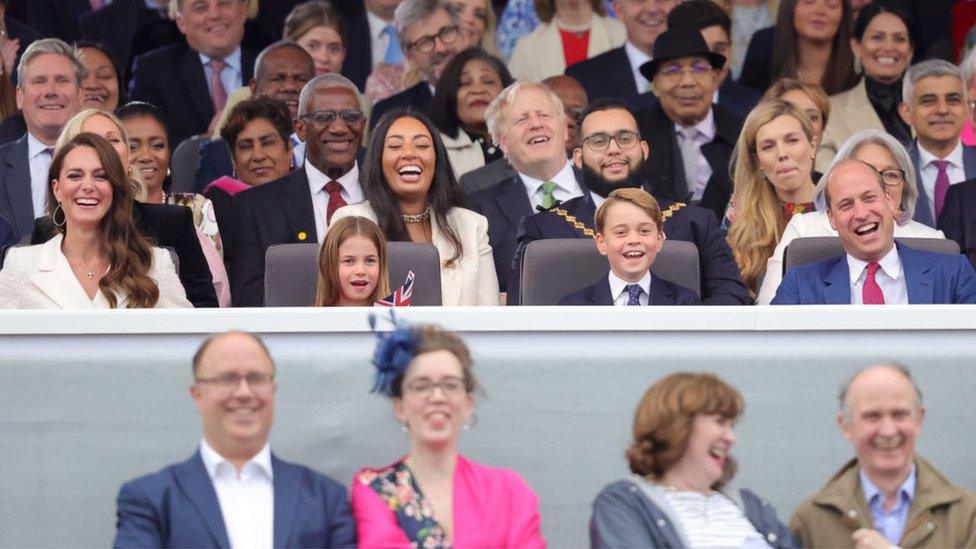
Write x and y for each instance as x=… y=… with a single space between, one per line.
x=713 y=520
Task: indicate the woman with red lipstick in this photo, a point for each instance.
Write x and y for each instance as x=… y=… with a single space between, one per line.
x=469 y=83
x=98 y=259
x=434 y=496
x=412 y=194
x=679 y=457
x=773 y=179
x=352 y=265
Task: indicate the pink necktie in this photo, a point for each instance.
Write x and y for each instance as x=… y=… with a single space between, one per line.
x=334 y=189
x=871 y=293
x=941 y=186
x=95 y=4
x=218 y=95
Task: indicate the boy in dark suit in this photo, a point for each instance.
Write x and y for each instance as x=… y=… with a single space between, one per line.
x=630 y=233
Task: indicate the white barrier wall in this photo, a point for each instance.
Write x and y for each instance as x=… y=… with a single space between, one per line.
x=89 y=400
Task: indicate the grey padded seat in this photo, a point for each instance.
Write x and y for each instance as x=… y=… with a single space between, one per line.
x=802 y=251
x=291 y=272
x=555 y=267
x=183 y=166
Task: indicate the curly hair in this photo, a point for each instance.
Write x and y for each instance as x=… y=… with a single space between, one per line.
x=129 y=254
x=243 y=113
x=327 y=289
x=665 y=418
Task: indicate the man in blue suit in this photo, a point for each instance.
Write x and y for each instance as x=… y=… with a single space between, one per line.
x=875 y=270
x=233 y=492
x=934 y=105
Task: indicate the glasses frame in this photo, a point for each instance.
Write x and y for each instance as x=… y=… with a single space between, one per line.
x=899 y=171
x=229 y=381
x=588 y=140
x=426 y=44
x=345 y=114
x=410 y=388
x=692 y=70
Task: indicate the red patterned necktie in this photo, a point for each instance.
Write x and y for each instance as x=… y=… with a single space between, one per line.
x=941 y=186
x=218 y=94
x=871 y=293
x=334 y=189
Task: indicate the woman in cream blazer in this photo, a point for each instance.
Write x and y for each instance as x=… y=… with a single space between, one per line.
x=540 y=54
x=412 y=195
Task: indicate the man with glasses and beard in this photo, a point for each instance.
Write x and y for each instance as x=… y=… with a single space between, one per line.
x=612 y=155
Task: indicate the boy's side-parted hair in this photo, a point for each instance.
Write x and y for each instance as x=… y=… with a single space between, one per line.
x=638 y=197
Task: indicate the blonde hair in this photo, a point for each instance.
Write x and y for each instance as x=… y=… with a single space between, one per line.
x=638 y=197
x=327 y=289
x=759 y=219
x=73 y=128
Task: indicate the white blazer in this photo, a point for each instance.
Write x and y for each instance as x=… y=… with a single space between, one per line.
x=539 y=54
x=817 y=224
x=471 y=280
x=39 y=277
x=465 y=155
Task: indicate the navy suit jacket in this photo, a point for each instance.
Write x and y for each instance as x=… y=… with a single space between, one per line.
x=279 y=212
x=57 y=18
x=417 y=98
x=178 y=507
x=15 y=187
x=958 y=219
x=663 y=292
x=6 y=237
x=486 y=176
x=721 y=281
x=359 y=65
x=923 y=205
x=756 y=72
x=173 y=79
x=504 y=205
x=929 y=276
x=665 y=170
x=606 y=75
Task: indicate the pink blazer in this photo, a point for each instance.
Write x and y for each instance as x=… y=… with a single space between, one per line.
x=492 y=508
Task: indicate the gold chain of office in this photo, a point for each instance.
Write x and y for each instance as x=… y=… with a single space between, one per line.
x=580 y=226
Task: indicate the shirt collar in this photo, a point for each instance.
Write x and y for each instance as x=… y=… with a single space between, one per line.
x=214 y=462
x=619 y=286
x=565 y=179
x=233 y=60
x=34 y=146
x=635 y=56
x=376 y=24
x=706 y=127
x=317 y=179
x=906 y=492
x=890 y=264
x=954 y=158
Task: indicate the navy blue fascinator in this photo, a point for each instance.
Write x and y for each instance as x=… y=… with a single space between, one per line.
x=394 y=351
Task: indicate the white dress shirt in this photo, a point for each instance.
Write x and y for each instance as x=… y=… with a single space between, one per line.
x=352 y=193
x=231 y=77
x=246 y=499
x=566 y=186
x=637 y=58
x=618 y=289
x=705 y=133
x=889 y=277
x=929 y=171
x=379 y=40
x=40 y=163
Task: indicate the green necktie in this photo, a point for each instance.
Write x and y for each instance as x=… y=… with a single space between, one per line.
x=547 y=199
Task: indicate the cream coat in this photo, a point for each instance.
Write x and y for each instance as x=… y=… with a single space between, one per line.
x=539 y=54
x=817 y=224
x=471 y=280
x=465 y=155
x=850 y=112
x=39 y=277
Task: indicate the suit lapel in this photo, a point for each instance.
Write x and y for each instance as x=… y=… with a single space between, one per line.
x=55 y=279
x=286 y=489
x=297 y=203
x=661 y=294
x=837 y=283
x=18 y=186
x=192 y=477
x=195 y=81
x=969 y=161
x=599 y=293
x=922 y=204
x=620 y=65
x=450 y=278
x=513 y=201
x=918 y=275
x=248 y=58
x=664 y=168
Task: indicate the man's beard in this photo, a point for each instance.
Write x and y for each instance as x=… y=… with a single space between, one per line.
x=601 y=186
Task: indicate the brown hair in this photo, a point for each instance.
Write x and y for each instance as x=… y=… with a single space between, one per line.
x=838 y=74
x=638 y=197
x=327 y=293
x=430 y=338
x=665 y=417
x=249 y=110
x=546 y=9
x=129 y=254
x=315 y=13
x=816 y=94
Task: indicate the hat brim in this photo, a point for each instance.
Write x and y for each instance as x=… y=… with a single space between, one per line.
x=650 y=68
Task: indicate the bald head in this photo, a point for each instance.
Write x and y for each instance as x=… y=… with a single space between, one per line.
x=886 y=372
x=241 y=340
x=574 y=100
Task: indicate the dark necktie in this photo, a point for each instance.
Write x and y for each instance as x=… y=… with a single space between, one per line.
x=334 y=189
x=941 y=186
x=633 y=294
x=871 y=293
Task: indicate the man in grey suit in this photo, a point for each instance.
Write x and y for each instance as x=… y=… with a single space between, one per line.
x=48 y=80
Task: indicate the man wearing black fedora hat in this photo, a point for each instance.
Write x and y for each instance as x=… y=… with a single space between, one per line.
x=691 y=139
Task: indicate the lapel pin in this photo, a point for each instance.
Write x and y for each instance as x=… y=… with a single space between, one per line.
x=302 y=236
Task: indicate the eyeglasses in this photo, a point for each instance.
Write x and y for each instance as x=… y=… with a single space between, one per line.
x=228 y=381
x=425 y=44
x=575 y=113
x=324 y=118
x=674 y=70
x=892 y=177
x=424 y=388
x=625 y=139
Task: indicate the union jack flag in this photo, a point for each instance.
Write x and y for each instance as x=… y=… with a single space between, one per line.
x=401 y=296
